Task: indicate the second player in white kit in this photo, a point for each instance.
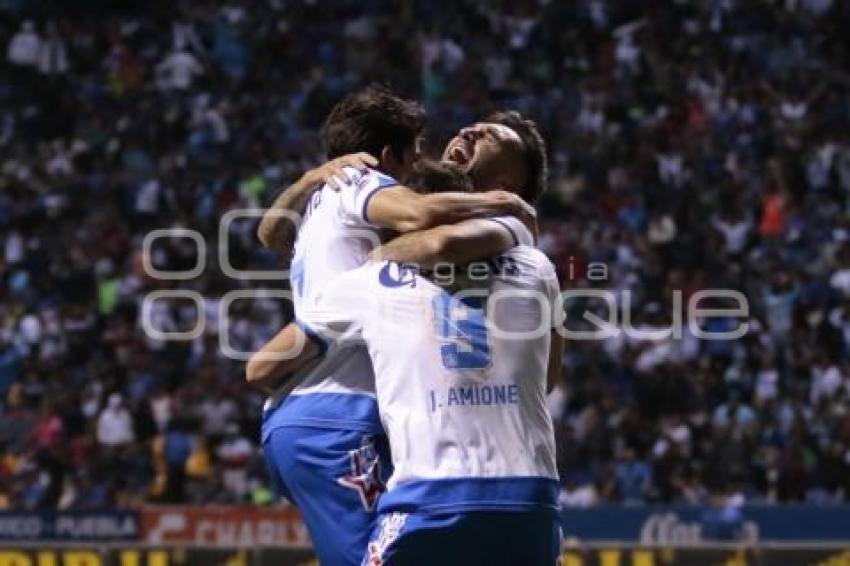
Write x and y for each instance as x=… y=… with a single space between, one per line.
x=461 y=383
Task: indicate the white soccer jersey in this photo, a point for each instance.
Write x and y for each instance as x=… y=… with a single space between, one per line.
x=336 y=236
x=460 y=377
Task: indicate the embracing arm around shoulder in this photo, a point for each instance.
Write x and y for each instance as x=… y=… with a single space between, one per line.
x=279 y=224
x=404 y=210
x=277 y=228
x=464 y=242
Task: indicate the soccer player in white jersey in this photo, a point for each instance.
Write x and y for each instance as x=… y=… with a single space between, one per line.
x=462 y=362
x=323 y=441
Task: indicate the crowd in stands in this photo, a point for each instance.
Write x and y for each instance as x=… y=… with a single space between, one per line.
x=693 y=145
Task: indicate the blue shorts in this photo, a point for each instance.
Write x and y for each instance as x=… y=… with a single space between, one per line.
x=334 y=477
x=472 y=538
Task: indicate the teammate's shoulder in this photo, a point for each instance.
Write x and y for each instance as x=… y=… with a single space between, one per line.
x=527 y=253
x=519 y=232
x=532 y=260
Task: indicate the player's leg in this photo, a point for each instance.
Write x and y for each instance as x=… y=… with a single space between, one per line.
x=464 y=539
x=513 y=539
x=402 y=539
x=326 y=473
x=278 y=483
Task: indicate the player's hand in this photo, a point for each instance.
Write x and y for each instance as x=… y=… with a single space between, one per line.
x=332 y=172
x=513 y=205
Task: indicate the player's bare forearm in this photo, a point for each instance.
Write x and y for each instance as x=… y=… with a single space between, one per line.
x=287 y=353
x=277 y=229
x=451 y=208
x=404 y=210
x=459 y=243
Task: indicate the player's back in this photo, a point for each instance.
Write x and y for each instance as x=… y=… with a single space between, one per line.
x=460 y=379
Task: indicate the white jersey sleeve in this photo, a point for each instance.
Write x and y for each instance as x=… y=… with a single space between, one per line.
x=519 y=232
x=355 y=196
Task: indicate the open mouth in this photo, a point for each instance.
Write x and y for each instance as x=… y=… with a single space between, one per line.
x=459 y=152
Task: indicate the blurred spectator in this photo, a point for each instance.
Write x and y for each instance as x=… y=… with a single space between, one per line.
x=53 y=55
x=25 y=47
x=177 y=448
x=177 y=71
x=115 y=424
x=234 y=453
x=634 y=478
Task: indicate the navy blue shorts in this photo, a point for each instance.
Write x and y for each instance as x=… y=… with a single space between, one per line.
x=472 y=538
x=334 y=477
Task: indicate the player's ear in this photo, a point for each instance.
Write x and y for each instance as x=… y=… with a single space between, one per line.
x=392 y=163
x=388 y=159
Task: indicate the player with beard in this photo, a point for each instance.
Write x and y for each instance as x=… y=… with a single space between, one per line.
x=322 y=436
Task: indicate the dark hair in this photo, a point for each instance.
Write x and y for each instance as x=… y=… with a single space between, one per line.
x=371 y=119
x=431 y=176
x=534 y=151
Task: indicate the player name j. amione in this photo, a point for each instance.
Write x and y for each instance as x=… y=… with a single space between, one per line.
x=475 y=395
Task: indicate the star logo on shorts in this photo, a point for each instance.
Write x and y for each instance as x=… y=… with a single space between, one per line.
x=365 y=475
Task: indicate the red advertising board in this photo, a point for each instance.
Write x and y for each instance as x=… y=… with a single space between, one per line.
x=233 y=526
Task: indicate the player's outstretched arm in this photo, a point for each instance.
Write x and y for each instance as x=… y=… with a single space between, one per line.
x=460 y=243
x=404 y=210
x=288 y=352
x=277 y=231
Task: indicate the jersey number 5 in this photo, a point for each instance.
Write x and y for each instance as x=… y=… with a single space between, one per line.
x=462 y=330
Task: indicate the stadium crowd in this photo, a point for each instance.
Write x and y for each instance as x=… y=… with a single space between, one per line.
x=693 y=145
